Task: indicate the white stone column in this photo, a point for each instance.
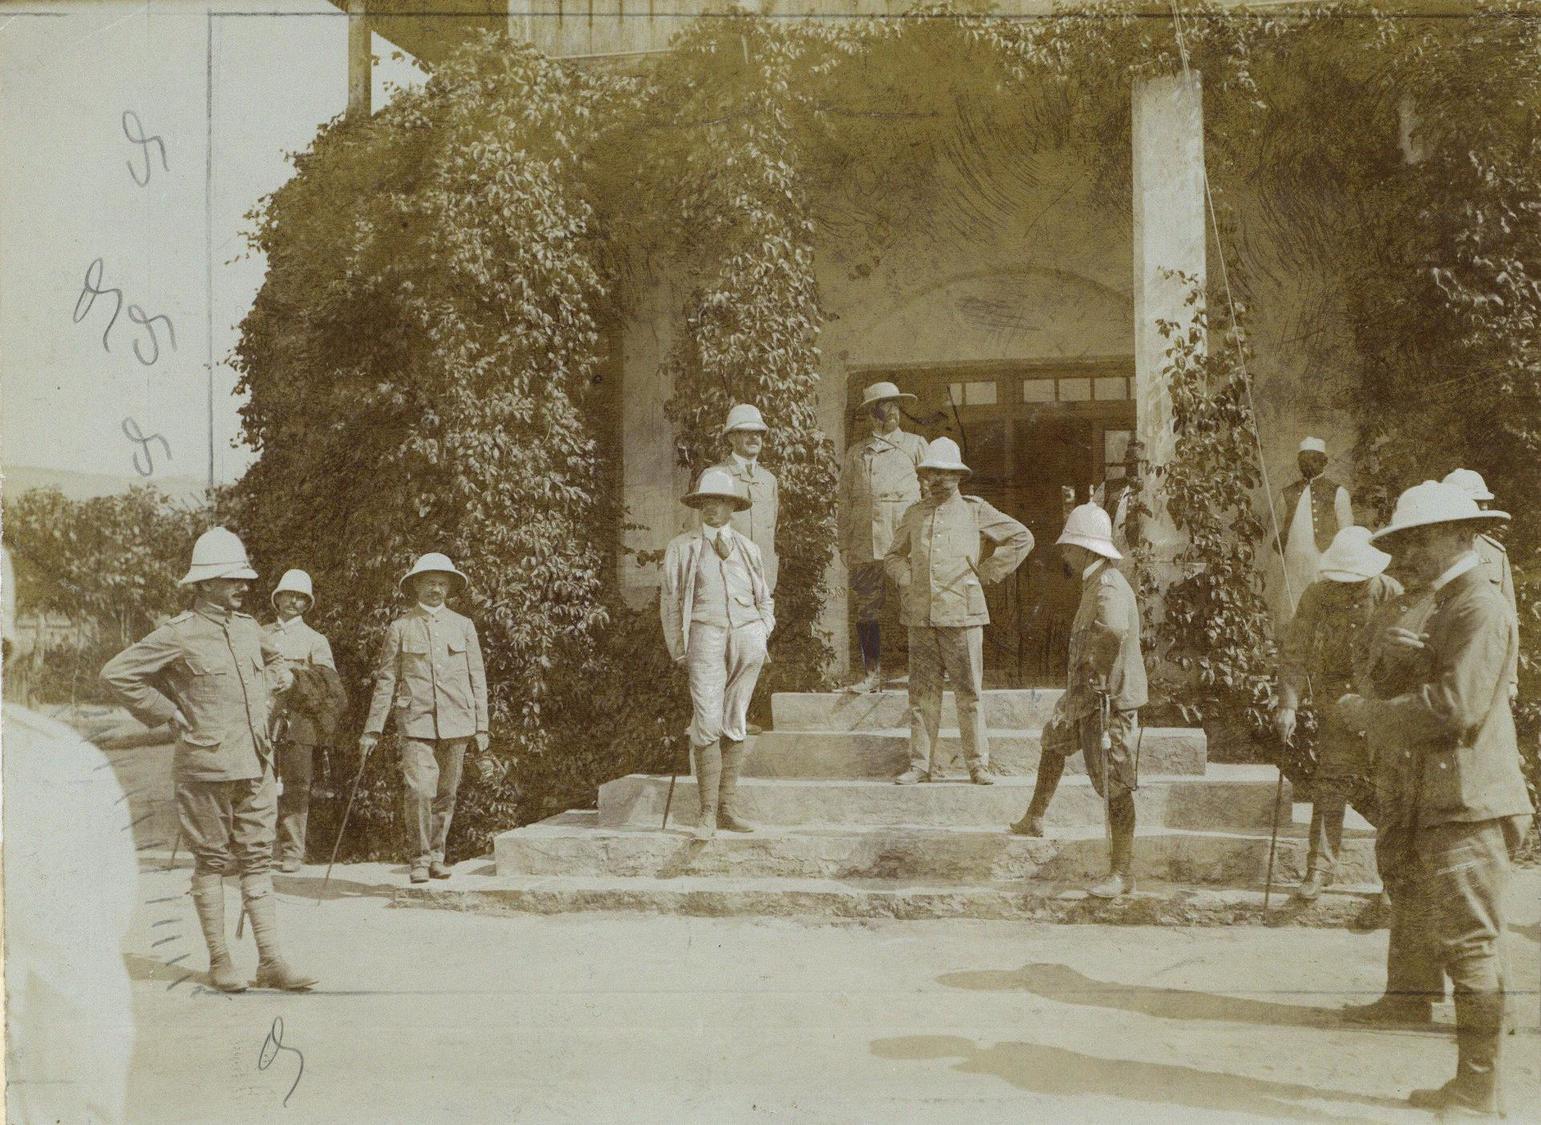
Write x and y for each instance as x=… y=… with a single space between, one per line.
x=1169 y=235
x=360 y=63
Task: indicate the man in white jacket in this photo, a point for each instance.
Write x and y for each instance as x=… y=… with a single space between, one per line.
x=717 y=615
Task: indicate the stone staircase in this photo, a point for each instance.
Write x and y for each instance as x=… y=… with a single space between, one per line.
x=838 y=837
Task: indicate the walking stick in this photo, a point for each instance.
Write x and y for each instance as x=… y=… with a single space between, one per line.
x=343 y=827
x=1105 y=744
x=1273 y=838
x=674 y=773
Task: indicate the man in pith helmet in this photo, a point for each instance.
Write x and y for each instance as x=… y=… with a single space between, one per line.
x=936 y=561
x=1455 y=794
x=745 y=432
x=1313 y=510
x=1316 y=660
x=717 y=613
x=1492 y=552
x=1099 y=713
x=211 y=673
x=311 y=709
x=430 y=675
x=877 y=485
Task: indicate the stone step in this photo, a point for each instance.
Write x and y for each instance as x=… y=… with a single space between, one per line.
x=1005 y=709
x=574 y=844
x=886 y=753
x=1153 y=903
x=1229 y=796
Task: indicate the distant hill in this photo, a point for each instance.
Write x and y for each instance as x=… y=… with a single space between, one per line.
x=16 y=479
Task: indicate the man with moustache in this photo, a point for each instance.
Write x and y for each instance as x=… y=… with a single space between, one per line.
x=430 y=674
x=717 y=613
x=210 y=672
x=309 y=655
x=1455 y=794
x=877 y=485
x=935 y=560
x=745 y=431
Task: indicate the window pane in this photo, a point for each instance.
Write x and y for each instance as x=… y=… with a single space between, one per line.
x=980 y=394
x=1038 y=390
x=1111 y=388
x=1075 y=390
x=955 y=393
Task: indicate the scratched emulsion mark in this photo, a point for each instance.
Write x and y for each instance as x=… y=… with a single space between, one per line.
x=272 y=1047
x=134 y=131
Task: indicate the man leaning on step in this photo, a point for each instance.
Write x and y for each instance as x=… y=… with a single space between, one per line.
x=717 y=614
x=211 y=674
x=430 y=675
x=1455 y=794
x=1099 y=713
x=935 y=560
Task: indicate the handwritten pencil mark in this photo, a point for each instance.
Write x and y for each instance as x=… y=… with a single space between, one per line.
x=137 y=137
x=272 y=1046
x=92 y=287
x=134 y=434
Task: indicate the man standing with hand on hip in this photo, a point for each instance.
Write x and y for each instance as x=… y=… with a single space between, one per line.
x=1456 y=796
x=877 y=486
x=210 y=673
x=430 y=674
x=935 y=561
x=717 y=613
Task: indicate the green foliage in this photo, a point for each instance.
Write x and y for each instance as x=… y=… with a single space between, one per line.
x=420 y=362
x=751 y=315
x=1216 y=630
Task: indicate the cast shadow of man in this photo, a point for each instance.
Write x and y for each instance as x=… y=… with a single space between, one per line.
x=1064 y=985
x=1057 y=1072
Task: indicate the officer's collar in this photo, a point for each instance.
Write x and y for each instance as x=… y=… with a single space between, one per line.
x=215 y=613
x=743 y=464
x=292 y=623
x=1092 y=568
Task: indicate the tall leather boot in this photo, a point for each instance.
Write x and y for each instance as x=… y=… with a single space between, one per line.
x=272 y=970
x=1327 y=811
x=708 y=781
x=1050 y=767
x=209 y=900
x=727 y=810
x=1478 y=1031
x=1120 y=880
x=869 y=640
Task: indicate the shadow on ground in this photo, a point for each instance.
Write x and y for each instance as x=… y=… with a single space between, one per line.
x=1057 y=1072
x=1065 y=985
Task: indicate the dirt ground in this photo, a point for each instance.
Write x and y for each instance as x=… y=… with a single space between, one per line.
x=432 y=1015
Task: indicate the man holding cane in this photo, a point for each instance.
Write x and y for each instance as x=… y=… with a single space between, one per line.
x=430 y=674
x=717 y=613
x=1099 y=712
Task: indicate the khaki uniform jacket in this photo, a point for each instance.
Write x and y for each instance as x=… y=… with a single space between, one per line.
x=218 y=670
x=1459 y=759
x=298 y=643
x=431 y=667
x=934 y=559
x=758 y=521
x=877 y=485
x=676 y=593
x=1331 y=509
x=1318 y=644
x=1495 y=564
x=1105 y=647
